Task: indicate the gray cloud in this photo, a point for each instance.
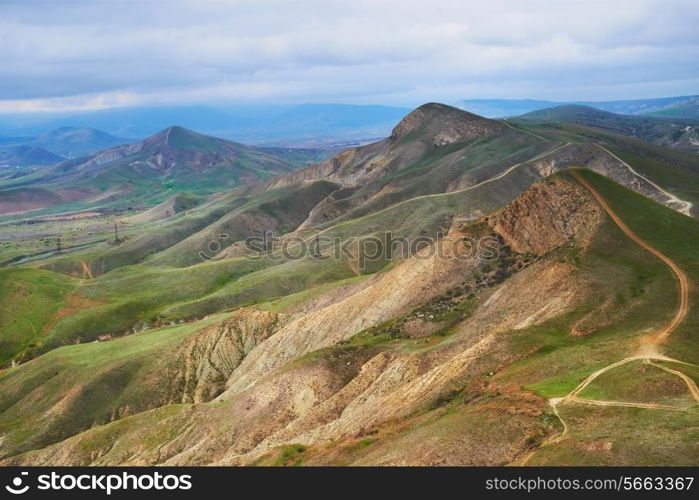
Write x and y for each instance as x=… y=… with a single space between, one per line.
x=89 y=54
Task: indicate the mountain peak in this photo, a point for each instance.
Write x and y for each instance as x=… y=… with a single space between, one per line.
x=442 y=124
x=27 y=155
x=175 y=129
x=179 y=129
x=178 y=137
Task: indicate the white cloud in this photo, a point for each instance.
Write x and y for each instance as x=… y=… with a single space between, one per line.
x=86 y=55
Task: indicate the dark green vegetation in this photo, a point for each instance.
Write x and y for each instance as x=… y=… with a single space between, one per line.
x=675 y=171
x=676 y=133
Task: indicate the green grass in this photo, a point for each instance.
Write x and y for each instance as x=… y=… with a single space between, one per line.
x=134 y=296
x=559 y=361
x=289 y=302
x=676 y=171
x=29 y=299
x=292 y=454
x=623 y=436
x=89 y=384
x=675 y=235
x=639 y=382
x=683 y=183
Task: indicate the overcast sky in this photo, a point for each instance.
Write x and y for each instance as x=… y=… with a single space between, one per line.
x=68 y=55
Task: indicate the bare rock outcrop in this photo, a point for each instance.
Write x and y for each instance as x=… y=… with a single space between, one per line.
x=443 y=125
x=203 y=364
x=550 y=214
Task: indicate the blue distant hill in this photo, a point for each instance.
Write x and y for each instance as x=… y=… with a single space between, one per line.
x=253 y=124
x=678 y=107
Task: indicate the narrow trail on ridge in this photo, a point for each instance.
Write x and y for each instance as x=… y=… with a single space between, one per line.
x=650 y=348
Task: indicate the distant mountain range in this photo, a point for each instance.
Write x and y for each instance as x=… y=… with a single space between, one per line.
x=55 y=145
x=303 y=125
x=678 y=107
x=306 y=125
x=27 y=156
x=148 y=171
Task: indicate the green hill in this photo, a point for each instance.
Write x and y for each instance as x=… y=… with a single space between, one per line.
x=609 y=290
x=148 y=172
x=676 y=133
x=158 y=336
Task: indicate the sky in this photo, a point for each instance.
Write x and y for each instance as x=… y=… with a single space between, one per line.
x=85 y=55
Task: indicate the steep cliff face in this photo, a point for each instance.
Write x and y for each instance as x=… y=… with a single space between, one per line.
x=548 y=215
x=204 y=363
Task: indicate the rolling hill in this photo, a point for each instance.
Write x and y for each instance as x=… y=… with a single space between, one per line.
x=456 y=357
x=149 y=171
x=678 y=107
x=27 y=156
x=72 y=142
x=671 y=132
x=438 y=164
x=542 y=321
x=62 y=143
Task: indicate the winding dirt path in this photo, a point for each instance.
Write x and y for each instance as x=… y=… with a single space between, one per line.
x=691 y=385
x=497 y=177
x=86 y=270
x=650 y=344
x=627 y=404
x=683 y=207
x=661 y=335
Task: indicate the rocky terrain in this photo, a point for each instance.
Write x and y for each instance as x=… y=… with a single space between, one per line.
x=331 y=375
x=161 y=347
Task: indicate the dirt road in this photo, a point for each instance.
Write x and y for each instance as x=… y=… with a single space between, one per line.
x=661 y=335
x=86 y=270
x=650 y=345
